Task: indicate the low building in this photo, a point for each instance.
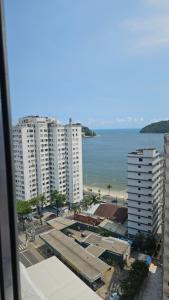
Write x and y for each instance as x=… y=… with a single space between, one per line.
x=112 y=212
x=102 y=247
x=51 y=279
x=112 y=245
x=86 y=218
x=88 y=267
x=118 y=230
x=60 y=223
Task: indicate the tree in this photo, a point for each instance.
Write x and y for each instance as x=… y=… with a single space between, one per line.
x=89 y=200
x=99 y=193
x=94 y=199
x=150 y=244
x=36 y=201
x=75 y=207
x=23 y=208
x=138 y=241
x=144 y=243
x=109 y=187
x=42 y=200
x=86 y=202
x=57 y=199
x=131 y=285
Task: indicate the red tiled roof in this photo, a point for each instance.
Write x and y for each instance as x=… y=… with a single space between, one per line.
x=112 y=212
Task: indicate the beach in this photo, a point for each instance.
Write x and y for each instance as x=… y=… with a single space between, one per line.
x=115 y=194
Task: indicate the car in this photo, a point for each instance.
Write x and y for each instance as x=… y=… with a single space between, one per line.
x=114 y=296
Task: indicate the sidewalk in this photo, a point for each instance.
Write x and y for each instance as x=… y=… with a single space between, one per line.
x=152 y=288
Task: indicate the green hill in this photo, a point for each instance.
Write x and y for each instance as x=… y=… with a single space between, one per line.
x=157 y=127
x=88 y=132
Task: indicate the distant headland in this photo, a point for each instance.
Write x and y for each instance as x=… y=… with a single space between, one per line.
x=157 y=127
x=87 y=132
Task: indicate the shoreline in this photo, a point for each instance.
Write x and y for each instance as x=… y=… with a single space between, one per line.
x=105 y=192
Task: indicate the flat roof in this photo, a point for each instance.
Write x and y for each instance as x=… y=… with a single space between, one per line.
x=60 y=223
x=56 y=281
x=113 y=227
x=141 y=151
x=89 y=266
x=107 y=243
x=95 y=250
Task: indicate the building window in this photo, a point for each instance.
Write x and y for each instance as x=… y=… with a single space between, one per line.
x=140 y=159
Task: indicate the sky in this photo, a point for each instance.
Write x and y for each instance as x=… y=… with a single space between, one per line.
x=103 y=63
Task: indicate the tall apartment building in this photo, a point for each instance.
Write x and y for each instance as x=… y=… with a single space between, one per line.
x=47 y=156
x=145 y=191
x=166 y=222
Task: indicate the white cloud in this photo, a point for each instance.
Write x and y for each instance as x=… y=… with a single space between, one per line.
x=149 y=32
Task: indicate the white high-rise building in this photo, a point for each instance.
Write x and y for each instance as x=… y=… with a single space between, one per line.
x=145 y=191
x=166 y=222
x=47 y=156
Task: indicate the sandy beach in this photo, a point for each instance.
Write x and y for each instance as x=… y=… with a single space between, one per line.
x=113 y=193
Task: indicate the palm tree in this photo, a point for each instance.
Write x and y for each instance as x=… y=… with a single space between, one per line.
x=109 y=187
x=23 y=208
x=94 y=199
x=86 y=202
x=99 y=192
x=57 y=199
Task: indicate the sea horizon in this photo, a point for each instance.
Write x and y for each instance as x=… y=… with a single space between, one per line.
x=105 y=156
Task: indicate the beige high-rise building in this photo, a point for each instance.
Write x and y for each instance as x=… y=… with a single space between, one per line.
x=47 y=156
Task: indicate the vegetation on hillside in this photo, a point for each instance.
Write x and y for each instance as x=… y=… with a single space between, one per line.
x=88 y=132
x=158 y=127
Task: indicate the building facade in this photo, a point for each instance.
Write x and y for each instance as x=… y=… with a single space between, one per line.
x=166 y=223
x=47 y=157
x=145 y=191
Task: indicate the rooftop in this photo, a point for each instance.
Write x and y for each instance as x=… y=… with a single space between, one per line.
x=60 y=223
x=53 y=280
x=112 y=212
x=142 y=150
x=82 y=261
x=119 y=229
x=107 y=243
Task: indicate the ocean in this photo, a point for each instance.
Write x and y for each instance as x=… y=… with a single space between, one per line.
x=105 y=156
